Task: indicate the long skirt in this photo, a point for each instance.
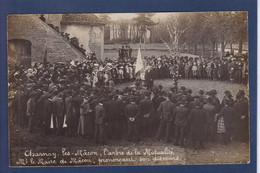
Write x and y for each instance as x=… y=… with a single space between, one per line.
x=82 y=127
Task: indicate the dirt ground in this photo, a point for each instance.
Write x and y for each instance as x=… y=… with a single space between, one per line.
x=196 y=85
x=159 y=152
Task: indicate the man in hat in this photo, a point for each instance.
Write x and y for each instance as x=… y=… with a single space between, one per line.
x=192 y=104
x=197 y=122
x=157 y=100
x=58 y=112
x=228 y=113
x=149 y=79
x=113 y=114
x=211 y=125
x=166 y=111
x=31 y=110
x=22 y=97
x=47 y=108
x=100 y=122
x=202 y=98
x=132 y=112
x=84 y=120
x=69 y=113
x=241 y=125
x=76 y=102
x=215 y=100
x=228 y=96
x=146 y=108
x=180 y=121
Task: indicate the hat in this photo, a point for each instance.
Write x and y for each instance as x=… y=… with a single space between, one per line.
x=147 y=94
x=238 y=96
x=213 y=92
x=209 y=93
x=102 y=100
x=227 y=92
x=242 y=92
x=189 y=91
x=196 y=97
x=201 y=92
x=181 y=102
x=197 y=104
x=182 y=88
x=225 y=101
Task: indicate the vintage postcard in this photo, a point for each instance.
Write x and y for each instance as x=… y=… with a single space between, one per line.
x=111 y=89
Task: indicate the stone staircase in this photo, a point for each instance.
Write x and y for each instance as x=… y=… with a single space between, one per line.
x=59 y=35
x=29 y=27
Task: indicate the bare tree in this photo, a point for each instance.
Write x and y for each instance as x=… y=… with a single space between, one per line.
x=175 y=31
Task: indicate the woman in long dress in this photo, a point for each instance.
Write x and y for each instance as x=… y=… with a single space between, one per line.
x=84 y=119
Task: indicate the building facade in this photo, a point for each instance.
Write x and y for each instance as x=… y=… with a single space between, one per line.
x=29 y=38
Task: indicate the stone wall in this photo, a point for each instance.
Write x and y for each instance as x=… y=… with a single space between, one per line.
x=30 y=27
x=81 y=32
x=92 y=37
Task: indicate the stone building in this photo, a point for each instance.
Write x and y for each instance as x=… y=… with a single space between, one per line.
x=29 y=37
x=89 y=30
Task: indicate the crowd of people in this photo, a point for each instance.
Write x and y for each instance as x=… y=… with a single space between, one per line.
x=79 y=98
x=234 y=69
x=125 y=52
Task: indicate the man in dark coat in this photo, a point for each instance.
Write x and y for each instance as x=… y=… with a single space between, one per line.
x=130 y=51
x=242 y=120
x=166 y=111
x=228 y=113
x=47 y=112
x=149 y=79
x=69 y=114
x=211 y=125
x=146 y=108
x=100 y=122
x=215 y=100
x=93 y=102
x=113 y=114
x=192 y=104
x=132 y=112
x=31 y=111
x=122 y=119
x=58 y=112
x=21 y=117
x=197 y=122
x=77 y=100
x=157 y=100
x=181 y=117
x=40 y=110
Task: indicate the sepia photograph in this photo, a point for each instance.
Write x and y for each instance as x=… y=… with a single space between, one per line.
x=123 y=89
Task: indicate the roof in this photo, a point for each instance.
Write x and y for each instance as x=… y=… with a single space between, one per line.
x=82 y=19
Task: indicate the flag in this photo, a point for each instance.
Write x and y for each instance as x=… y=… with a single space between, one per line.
x=139 y=62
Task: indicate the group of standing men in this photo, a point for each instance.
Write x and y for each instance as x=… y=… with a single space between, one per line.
x=134 y=116
x=125 y=52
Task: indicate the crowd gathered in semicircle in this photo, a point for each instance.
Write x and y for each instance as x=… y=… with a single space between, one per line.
x=83 y=96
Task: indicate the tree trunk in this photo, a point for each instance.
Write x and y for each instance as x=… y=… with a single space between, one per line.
x=222 y=48
x=216 y=46
x=188 y=48
x=203 y=47
x=240 y=47
x=213 y=49
x=144 y=41
x=195 y=48
x=231 y=48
